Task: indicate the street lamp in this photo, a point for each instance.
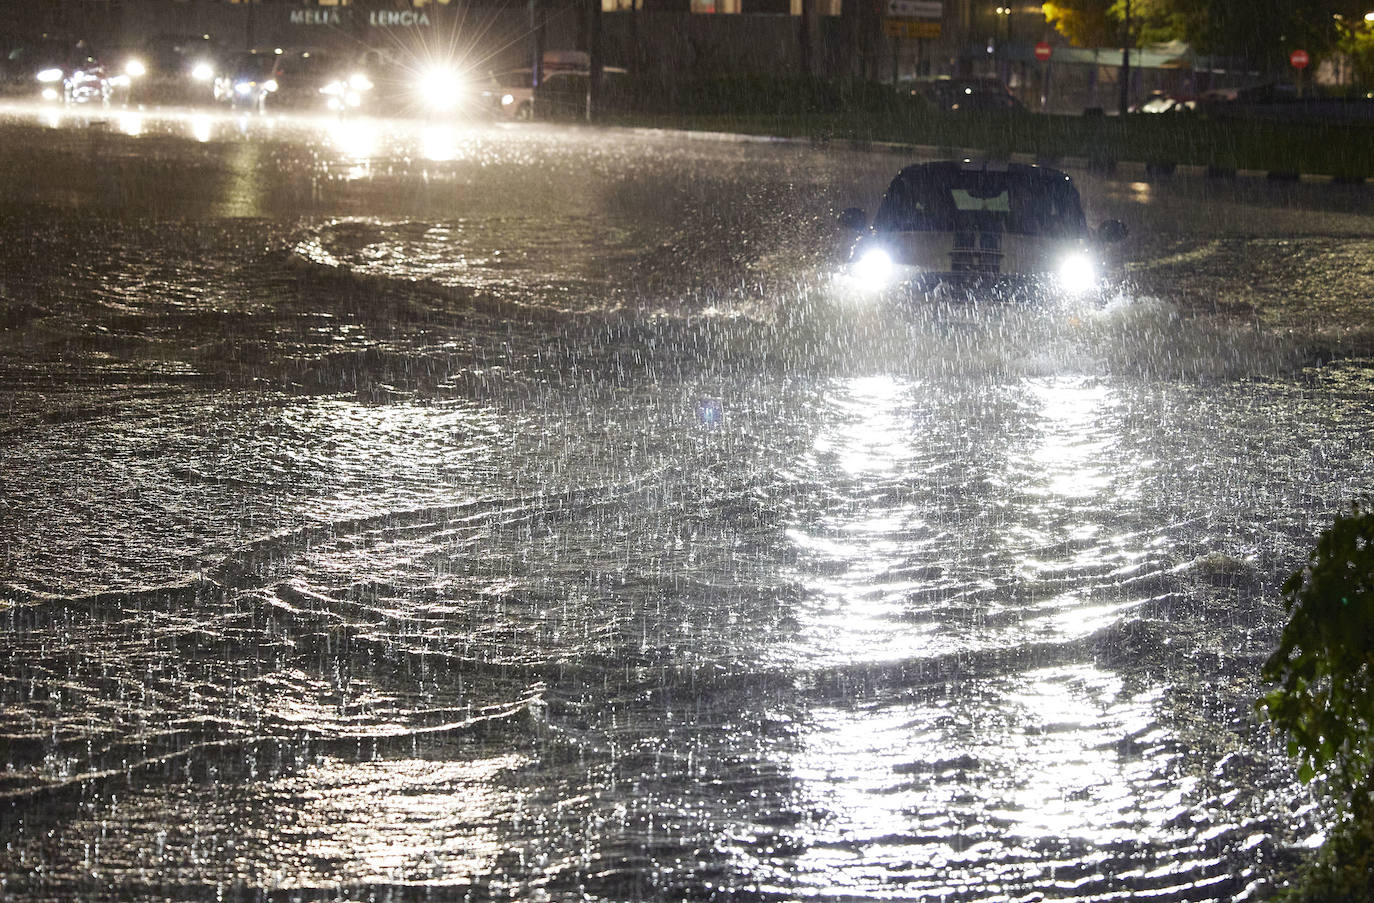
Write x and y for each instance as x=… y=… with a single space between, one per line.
x=1004 y=60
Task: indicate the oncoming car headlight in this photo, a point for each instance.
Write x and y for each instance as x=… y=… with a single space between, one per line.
x=874 y=269
x=135 y=69
x=203 y=72
x=1077 y=273
x=48 y=76
x=441 y=88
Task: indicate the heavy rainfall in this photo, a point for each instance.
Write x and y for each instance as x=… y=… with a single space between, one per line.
x=401 y=510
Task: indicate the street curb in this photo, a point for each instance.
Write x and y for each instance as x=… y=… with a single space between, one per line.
x=1153 y=169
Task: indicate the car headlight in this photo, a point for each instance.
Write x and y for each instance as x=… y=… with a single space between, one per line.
x=874 y=269
x=48 y=76
x=135 y=69
x=270 y=85
x=441 y=88
x=507 y=99
x=244 y=87
x=202 y=72
x=1077 y=273
x=359 y=82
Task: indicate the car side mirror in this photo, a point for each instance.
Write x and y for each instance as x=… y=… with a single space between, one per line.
x=853 y=219
x=1111 y=231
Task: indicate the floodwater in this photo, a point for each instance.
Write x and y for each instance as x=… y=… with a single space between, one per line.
x=405 y=511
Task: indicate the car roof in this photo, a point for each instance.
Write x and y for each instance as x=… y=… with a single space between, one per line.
x=947 y=168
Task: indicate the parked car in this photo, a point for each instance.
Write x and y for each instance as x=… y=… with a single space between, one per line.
x=563 y=95
x=1164 y=102
x=1005 y=231
x=969 y=95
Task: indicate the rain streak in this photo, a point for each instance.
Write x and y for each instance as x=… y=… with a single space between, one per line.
x=393 y=511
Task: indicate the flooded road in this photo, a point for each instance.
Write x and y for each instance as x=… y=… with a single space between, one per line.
x=396 y=511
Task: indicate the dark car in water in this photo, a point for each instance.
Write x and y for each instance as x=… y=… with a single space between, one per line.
x=993 y=230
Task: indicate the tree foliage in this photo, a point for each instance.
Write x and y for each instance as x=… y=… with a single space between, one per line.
x=1261 y=31
x=1324 y=664
x=1356 y=41
x=1086 y=23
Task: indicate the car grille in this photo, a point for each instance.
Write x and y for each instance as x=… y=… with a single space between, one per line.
x=976 y=252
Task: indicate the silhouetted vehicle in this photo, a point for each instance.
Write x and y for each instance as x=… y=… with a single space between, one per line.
x=193 y=57
x=969 y=95
x=247 y=80
x=316 y=80
x=1164 y=102
x=510 y=95
x=55 y=69
x=562 y=95
x=1007 y=231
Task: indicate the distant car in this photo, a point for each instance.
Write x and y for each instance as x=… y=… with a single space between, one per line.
x=969 y=95
x=247 y=80
x=510 y=95
x=317 y=80
x=69 y=71
x=183 y=57
x=1163 y=102
x=1004 y=231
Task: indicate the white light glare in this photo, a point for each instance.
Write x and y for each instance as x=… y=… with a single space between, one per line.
x=1077 y=273
x=135 y=69
x=203 y=72
x=48 y=76
x=874 y=269
x=441 y=88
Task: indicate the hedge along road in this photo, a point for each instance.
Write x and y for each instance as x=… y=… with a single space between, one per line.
x=391 y=505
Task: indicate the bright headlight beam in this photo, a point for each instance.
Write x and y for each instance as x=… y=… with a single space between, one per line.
x=1077 y=273
x=441 y=88
x=874 y=268
x=48 y=76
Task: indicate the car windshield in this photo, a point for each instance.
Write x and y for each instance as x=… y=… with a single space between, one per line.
x=306 y=65
x=252 y=65
x=519 y=79
x=924 y=199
